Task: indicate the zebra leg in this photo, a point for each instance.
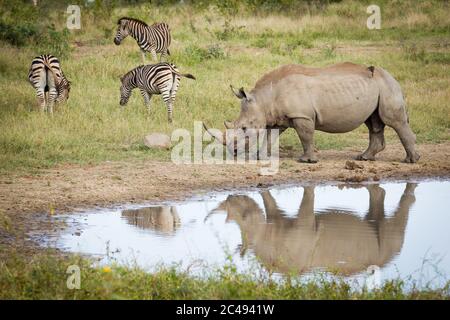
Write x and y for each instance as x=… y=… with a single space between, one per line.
x=173 y=91
x=153 y=52
x=163 y=56
x=143 y=56
x=52 y=95
x=39 y=84
x=147 y=98
x=41 y=98
x=167 y=97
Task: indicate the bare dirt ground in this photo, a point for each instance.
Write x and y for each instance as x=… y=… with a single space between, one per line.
x=27 y=201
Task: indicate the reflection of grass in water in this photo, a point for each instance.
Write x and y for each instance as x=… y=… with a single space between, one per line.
x=44 y=277
x=430 y=263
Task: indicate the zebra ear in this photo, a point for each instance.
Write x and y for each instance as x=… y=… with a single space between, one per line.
x=121 y=78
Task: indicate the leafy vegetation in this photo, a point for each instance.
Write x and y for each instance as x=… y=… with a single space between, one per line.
x=221 y=43
x=45 y=277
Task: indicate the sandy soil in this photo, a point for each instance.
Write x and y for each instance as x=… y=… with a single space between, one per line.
x=72 y=187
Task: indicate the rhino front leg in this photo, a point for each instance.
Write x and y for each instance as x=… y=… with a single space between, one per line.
x=266 y=148
x=305 y=131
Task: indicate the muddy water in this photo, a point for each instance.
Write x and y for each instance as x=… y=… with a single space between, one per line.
x=375 y=232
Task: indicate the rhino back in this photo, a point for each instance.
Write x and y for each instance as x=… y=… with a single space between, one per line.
x=338 y=98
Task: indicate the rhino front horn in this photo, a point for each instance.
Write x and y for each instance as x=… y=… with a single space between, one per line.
x=219 y=138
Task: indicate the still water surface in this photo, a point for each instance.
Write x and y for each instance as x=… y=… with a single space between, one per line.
x=391 y=230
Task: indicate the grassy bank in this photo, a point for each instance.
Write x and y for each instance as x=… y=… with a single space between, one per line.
x=45 y=277
x=219 y=45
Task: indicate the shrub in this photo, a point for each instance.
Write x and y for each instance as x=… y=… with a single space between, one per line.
x=55 y=42
x=229 y=31
x=199 y=54
x=21 y=25
x=17 y=35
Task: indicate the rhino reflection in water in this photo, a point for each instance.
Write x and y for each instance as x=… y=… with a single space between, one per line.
x=163 y=219
x=334 y=239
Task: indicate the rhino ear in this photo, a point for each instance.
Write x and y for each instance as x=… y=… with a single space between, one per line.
x=239 y=93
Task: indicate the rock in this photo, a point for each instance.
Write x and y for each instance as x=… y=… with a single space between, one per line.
x=351 y=165
x=157 y=140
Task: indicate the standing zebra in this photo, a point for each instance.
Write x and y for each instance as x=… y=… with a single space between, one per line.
x=161 y=78
x=155 y=38
x=47 y=78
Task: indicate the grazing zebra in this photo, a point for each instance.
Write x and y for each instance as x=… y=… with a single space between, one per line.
x=155 y=38
x=161 y=78
x=47 y=78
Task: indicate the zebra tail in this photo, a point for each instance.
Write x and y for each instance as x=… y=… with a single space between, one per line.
x=57 y=81
x=188 y=75
x=168 y=52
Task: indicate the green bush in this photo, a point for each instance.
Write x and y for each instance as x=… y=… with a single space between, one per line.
x=55 y=42
x=17 y=35
x=21 y=24
x=229 y=31
x=199 y=54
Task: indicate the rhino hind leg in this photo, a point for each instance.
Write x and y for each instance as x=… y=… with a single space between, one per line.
x=376 y=137
x=305 y=131
x=399 y=122
x=392 y=111
x=408 y=139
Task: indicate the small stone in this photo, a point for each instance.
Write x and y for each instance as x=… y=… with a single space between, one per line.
x=352 y=165
x=157 y=140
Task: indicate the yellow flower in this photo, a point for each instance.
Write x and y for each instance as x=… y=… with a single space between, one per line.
x=106 y=269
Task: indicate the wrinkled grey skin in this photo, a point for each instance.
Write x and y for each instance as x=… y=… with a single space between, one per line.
x=334 y=99
x=308 y=241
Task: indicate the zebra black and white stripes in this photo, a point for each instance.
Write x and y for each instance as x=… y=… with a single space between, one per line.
x=154 y=39
x=47 y=77
x=161 y=78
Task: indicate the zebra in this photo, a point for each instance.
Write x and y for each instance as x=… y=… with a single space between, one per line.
x=47 y=77
x=155 y=38
x=161 y=78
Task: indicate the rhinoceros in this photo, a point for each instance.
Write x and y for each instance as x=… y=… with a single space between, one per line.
x=326 y=240
x=333 y=99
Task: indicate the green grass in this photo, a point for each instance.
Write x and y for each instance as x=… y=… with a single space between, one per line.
x=413 y=45
x=232 y=45
x=45 y=277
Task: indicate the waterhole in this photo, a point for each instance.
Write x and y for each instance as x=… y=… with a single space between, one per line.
x=390 y=231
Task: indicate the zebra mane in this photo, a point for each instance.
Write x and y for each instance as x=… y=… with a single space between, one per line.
x=132 y=19
x=131 y=72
